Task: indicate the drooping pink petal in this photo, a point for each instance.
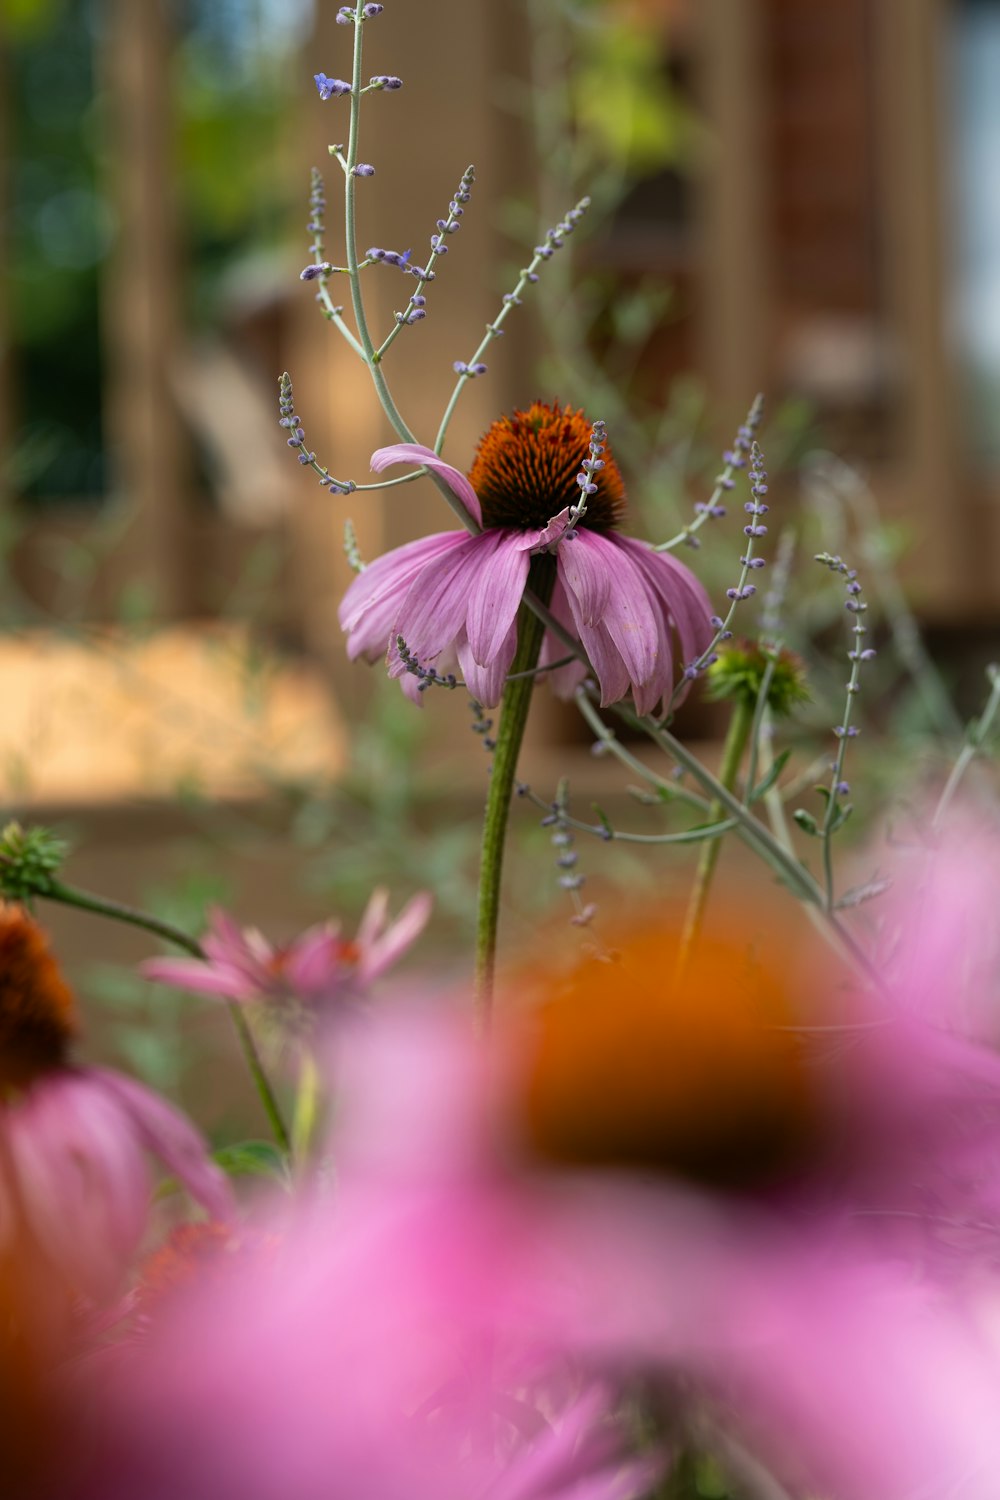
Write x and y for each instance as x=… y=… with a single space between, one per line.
x=436 y=603
x=82 y=1180
x=628 y=615
x=369 y=609
x=606 y=660
x=199 y=978
x=686 y=601
x=486 y=684
x=566 y=679
x=495 y=596
x=169 y=1135
x=585 y=579
x=416 y=453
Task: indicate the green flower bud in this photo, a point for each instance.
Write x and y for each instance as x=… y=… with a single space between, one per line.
x=29 y=860
x=742 y=668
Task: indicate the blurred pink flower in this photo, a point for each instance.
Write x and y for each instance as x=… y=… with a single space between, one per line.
x=342 y=1363
x=454 y=597
x=320 y=968
x=74 y=1180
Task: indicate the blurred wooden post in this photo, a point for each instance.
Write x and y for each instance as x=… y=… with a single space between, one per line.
x=141 y=298
x=735 y=312
x=6 y=367
x=911 y=58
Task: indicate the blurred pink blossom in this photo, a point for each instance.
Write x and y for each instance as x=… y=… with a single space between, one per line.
x=74 y=1180
x=320 y=968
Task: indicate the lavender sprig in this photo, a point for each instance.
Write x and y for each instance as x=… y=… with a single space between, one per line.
x=756 y=507
x=414 y=312
x=469 y=369
x=733 y=459
x=837 y=812
x=569 y=877
x=427 y=676
x=290 y=420
x=585 y=479
x=320 y=268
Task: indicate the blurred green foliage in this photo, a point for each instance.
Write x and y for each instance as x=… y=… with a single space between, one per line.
x=230 y=91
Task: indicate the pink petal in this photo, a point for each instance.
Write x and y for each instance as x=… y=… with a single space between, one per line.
x=628 y=615
x=82 y=1179
x=538 y=540
x=585 y=578
x=687 y=603
x=167 y=1133
x=198 y=978
x=382 y=952
x=486 y=684
x=496 y=595
x=416 y=453
x=434 y=610
x=606 y=660
x=314 y=962
x=373 y=919
x=369 y=608
x=564 y=680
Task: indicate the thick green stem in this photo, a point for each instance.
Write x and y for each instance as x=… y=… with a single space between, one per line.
x=69 y=896
x=737 y=736
x=513 y=717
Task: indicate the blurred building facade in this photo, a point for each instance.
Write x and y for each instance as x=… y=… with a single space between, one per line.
x=829 y=233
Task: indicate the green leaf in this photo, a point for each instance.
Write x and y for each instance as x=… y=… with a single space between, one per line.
x=806 y=821
x=858 y=894
x=603 y=819
x=767 y=782
x=251 y=1159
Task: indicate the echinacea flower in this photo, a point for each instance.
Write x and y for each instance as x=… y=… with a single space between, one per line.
x=338 y=1363
x=454 y=597
x=74 y=1180
x=318 y=969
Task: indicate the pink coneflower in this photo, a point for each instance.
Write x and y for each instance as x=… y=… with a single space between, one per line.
x=74 y=1180
x=318 y=969
x=454 y=597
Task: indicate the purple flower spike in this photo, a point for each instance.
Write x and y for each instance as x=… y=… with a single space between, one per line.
x=330 y=86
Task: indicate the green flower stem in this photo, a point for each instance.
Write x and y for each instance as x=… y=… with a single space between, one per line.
x=68 y=895
x=737 y=737
x=513 y=717
x=975 y=740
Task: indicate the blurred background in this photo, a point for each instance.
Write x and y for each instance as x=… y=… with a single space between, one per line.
x=788 y=196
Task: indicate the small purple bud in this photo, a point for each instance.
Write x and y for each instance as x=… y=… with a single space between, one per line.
x=478 y=369
x=311 y=272
x=363 y=170
x=372 y=10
